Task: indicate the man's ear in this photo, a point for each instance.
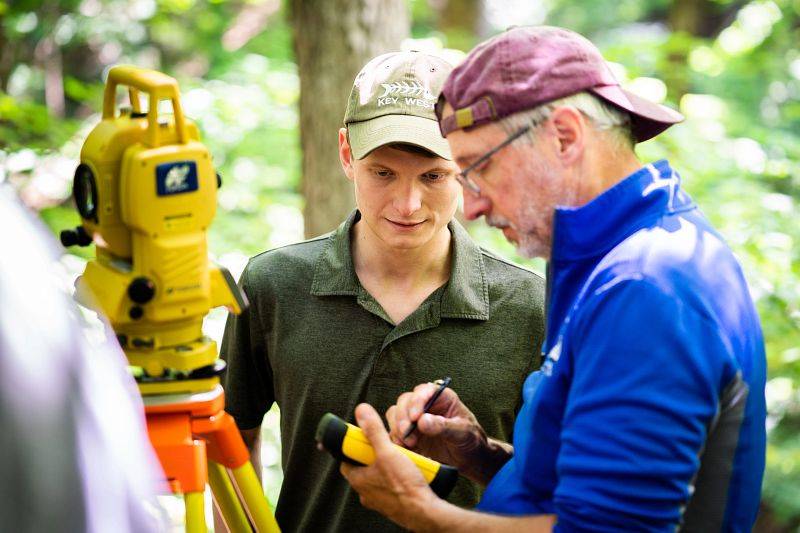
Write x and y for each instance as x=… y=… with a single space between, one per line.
x=571 y=129
x=345 y=154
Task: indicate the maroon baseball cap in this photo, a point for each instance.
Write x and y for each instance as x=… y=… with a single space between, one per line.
x=529 y=66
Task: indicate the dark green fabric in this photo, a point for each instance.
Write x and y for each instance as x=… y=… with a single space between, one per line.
x=315 y=341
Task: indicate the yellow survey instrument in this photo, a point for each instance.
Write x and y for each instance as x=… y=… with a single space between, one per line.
x=146 y=191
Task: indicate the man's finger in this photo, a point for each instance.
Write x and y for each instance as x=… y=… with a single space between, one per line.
x=371 y=424
x=355 y=475
x=422 y=393
x=440 y=426
x=344 y=469
x=400 y=422
x=391 y=418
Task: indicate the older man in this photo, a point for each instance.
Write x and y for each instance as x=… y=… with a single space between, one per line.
x=648 y=412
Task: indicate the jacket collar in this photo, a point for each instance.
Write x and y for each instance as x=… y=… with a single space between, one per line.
x=649 y=193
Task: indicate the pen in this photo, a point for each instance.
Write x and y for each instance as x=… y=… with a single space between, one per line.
x=443 y=383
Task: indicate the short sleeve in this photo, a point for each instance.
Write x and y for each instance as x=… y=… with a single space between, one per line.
x=248 y=378
x=645 y=385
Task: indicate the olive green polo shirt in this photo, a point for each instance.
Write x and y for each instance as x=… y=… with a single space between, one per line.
x=315 y=341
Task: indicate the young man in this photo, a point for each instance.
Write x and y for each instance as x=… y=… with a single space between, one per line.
x=397 y=295
x=648 y=413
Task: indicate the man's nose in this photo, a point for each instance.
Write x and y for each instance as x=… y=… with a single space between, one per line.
x=475 y=206
x=408 y=199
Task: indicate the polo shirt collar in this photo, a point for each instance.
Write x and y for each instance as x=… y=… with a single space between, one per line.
x=334 y=274
x=467 y=292
x=465 y=296
x=590 y=230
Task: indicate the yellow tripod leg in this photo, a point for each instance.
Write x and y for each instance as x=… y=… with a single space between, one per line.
x=228 y=501
x=195 y=512
x=254 y=499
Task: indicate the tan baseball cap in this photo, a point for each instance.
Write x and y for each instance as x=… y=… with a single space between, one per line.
x=392 y=101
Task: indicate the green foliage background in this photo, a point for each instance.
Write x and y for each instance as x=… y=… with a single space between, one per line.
x=735 y=74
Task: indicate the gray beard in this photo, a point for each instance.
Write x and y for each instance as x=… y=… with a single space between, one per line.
x=529 y=245
x=532 y=243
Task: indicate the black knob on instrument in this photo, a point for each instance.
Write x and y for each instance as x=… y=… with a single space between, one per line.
x=75 y=237
x=141 y=290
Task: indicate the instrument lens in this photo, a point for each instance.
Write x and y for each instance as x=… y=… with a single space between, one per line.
x=84 y=189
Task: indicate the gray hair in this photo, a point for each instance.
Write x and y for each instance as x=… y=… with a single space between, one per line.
x=603 y=116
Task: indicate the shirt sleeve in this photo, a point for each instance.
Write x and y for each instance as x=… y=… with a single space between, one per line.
x=248 y=378
x=646 y=374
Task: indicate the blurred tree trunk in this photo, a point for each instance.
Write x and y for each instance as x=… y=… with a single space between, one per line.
x=333 y=39
x=7 y=59
x=702 y=18
x=48 y=54
x=696 y=18
x=462 y=21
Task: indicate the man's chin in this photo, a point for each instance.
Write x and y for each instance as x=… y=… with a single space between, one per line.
x=509 y=234
x=405 y=242
x=530 y=249
x=525 y=246
x=526 y=252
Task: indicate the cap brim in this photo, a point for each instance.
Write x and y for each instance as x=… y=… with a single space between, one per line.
x=648 y=119
x=368 y=135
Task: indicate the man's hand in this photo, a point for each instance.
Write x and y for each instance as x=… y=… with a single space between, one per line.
x=392 y=485
x=448 y=433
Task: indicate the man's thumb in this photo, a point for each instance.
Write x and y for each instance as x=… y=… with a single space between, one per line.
x=438 y=426
x=371 y=424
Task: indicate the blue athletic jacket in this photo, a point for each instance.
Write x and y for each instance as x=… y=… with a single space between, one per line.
x=648 y=413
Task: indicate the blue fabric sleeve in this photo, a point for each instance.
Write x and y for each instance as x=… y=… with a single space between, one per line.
x=646 y=371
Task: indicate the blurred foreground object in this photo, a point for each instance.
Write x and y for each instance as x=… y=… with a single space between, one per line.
x=74 y=450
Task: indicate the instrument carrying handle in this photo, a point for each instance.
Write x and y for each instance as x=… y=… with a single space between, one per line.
x=158 y=85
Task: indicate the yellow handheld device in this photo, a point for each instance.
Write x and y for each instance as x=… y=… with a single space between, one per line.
x=347 y=442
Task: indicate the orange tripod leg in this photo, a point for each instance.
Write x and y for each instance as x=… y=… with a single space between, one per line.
x=183 y=459
x=187 y=431
x=226 y=448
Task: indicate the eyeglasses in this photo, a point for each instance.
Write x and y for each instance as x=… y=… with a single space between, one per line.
x=463 y=177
